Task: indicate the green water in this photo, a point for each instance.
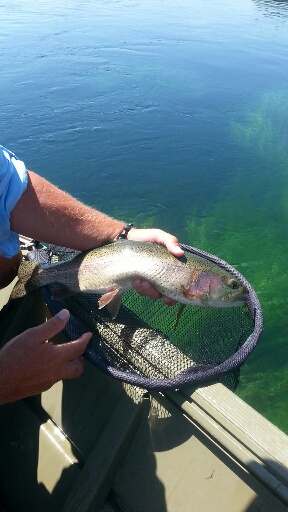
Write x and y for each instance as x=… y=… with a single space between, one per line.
x=247 y=222
x=172 y=115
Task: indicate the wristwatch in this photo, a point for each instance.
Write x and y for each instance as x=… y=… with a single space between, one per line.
x=124 y=232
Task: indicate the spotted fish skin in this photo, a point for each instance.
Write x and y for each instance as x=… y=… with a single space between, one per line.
x=109 y=270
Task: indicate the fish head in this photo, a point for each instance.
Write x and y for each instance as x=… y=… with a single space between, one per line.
x=227 y=291
x=216 y=289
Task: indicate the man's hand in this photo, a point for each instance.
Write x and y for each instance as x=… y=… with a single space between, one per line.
x=160 y=237
x=30 y=364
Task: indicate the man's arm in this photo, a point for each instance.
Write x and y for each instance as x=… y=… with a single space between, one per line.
x=46 y=213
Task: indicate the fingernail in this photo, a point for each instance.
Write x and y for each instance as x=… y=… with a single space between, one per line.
x=63 y=314
x=86 y=335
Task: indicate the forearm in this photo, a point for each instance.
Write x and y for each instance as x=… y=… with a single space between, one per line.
x=46 y=213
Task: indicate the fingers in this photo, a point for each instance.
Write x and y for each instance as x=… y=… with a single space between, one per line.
x=74 y=368
x=49 y=329
x=173 y=246
x=168 y=301
x=74 y=349
x=160 y=237
x=145 y=288
x=63 y=353
x=170 y=241
x=73 y=352
x=157 y=236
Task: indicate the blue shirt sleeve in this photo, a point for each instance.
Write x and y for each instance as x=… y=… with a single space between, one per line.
x=13 y=182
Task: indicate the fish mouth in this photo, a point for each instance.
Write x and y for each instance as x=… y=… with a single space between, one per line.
x=236 y=297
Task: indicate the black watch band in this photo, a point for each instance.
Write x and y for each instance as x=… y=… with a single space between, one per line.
x=124 y=232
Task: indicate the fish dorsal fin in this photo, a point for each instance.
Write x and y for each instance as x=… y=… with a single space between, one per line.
x=112 y=299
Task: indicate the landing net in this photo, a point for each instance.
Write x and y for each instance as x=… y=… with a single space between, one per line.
x=142 y=346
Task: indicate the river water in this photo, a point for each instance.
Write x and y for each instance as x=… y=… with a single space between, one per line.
x=167 y=114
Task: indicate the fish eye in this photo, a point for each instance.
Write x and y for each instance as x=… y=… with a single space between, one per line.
x=233 y=284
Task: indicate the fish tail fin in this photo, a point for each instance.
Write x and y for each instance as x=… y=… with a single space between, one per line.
x=26 y=279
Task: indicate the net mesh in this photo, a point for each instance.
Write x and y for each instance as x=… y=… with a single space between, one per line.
x=143 y=347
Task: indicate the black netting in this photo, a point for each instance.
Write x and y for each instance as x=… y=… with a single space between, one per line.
x=143 y=347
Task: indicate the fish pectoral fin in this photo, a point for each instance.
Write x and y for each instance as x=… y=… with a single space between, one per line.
x=192 y=295
x=60 y=291
x=180 y=311
x=112 y=299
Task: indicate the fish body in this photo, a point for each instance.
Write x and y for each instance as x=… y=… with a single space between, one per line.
x=110 y=270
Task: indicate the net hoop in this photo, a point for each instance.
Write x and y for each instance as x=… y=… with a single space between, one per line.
x=191 y=376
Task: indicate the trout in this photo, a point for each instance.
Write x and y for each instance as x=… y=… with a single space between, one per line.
x=109 y=271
